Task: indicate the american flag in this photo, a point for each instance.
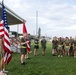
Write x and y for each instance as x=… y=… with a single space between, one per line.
x=7 y=48
x=25 y=31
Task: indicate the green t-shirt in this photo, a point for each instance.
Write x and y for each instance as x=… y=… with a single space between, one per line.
x=23 y=40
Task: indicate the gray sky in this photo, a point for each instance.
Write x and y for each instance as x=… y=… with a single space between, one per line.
x=55 y=17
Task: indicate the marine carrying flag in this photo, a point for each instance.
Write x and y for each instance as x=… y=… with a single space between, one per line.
x=7 y=48
x=25 y=31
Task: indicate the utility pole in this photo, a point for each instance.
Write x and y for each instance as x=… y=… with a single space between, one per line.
x=36 y=22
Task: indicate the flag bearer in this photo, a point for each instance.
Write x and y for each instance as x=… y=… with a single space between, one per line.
x=28 y=51
x=23 y=44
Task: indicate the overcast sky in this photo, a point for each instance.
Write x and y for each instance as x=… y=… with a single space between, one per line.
x=55 y=17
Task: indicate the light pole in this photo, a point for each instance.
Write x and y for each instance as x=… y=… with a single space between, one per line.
x=36 y=22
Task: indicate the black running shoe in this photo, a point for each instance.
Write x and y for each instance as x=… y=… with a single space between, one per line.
x=23 y=63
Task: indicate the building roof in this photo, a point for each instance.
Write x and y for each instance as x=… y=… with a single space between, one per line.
x=11 y=16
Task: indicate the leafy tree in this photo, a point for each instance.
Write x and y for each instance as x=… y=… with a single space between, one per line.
x=39 y=32
x=14 y=33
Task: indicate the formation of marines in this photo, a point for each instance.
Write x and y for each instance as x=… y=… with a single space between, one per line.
x=64 y=46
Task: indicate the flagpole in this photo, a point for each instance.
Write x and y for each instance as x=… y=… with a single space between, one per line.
x=36 y=22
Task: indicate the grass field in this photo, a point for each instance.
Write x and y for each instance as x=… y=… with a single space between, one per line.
x=42 y=65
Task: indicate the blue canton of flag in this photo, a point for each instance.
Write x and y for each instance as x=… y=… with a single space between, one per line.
x=4 y=16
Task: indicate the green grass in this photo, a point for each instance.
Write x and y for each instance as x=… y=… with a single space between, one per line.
x=42 y=65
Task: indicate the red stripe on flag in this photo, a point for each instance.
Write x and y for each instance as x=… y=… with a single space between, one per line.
x=7 y=50
x=7 y=41
x=6 y=33
x=1 y=29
